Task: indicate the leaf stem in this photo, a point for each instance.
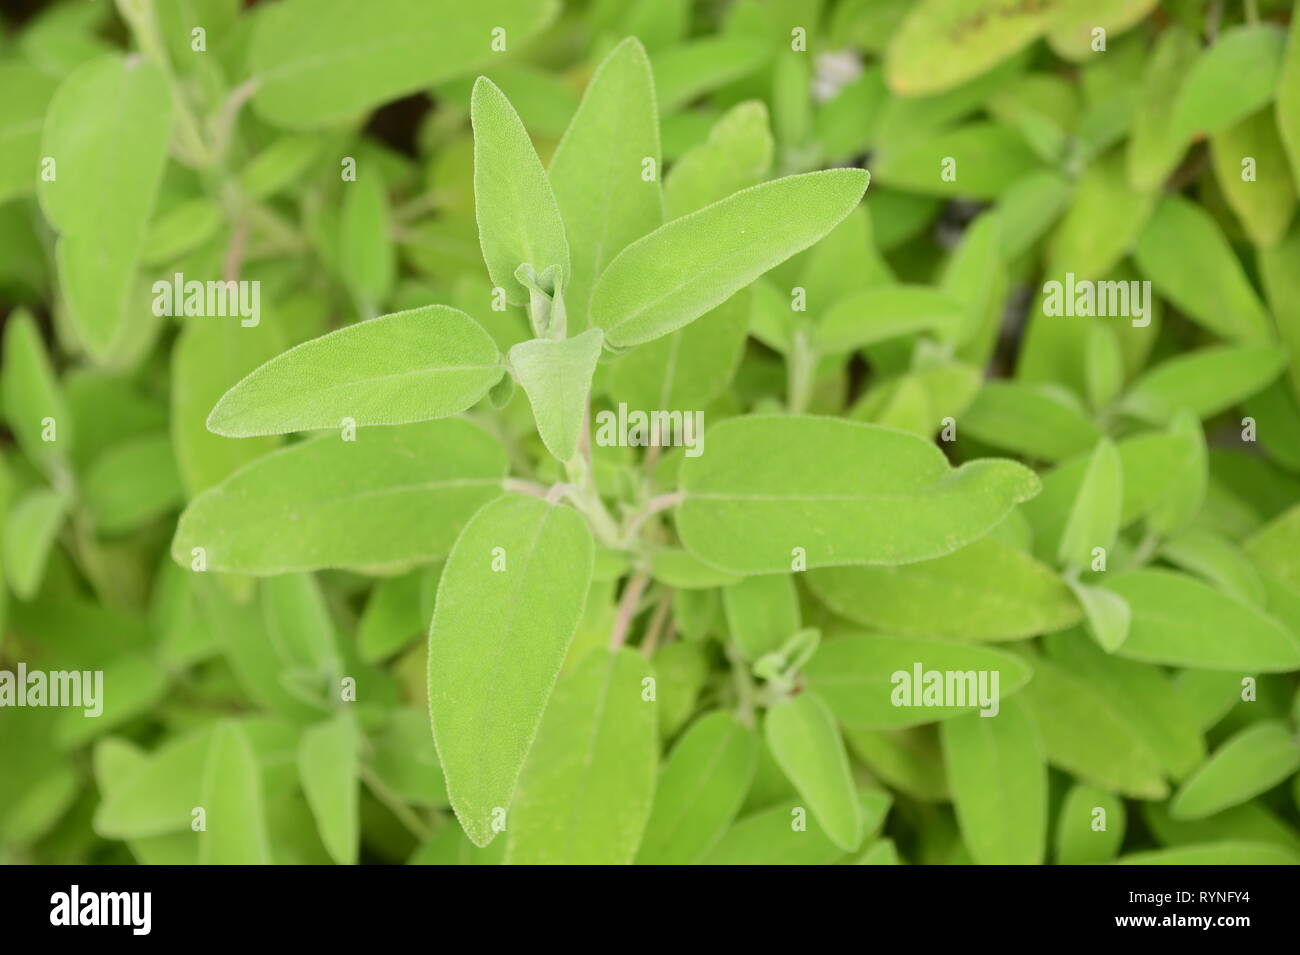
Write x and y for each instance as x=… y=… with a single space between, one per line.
x=652 y=507
x=627 y=607
x=405 y=815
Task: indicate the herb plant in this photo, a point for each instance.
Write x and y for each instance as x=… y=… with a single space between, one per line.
x=513 y=432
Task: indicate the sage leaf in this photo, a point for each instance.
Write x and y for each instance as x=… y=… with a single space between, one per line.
x=318 y=63
x=1229 y=80
x=987 y=590
x=839 y=492
x=690 y=265
x=396 y=496
x=107 y=129
x=762 y=613
x=807 y=745
x=410 y=366
x=860 y=676
x=1251 y=762
x=1179 y=621
x=327 y=766
x=496 y=644
x=1090 y=826
x=585 y=793
x=556 y=376
x=1094 y=519
x=518 y=220
x=605 y=172
x=999 y=785
x=701 y=788
x=234 y=802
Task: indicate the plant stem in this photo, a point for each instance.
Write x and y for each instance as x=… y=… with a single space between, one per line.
x=404 y=813
x=656 y=625
x=652 y=507
x=801 y=365
x=627 y=607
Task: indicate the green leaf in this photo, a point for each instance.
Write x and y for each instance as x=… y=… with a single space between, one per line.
x=394 y=496
x=1287 y=108
x=585 y=793
x=182 y=229
x=1156 y=144
x=1204 y=382
x=687 y=369
x=878 y=314
x=556 y=376
x=806 y=743
x=518 y=219
x=785 y=834
x=410 y=366
x=841 y=492
x=1140 y=694
x=209 y=358
x=107 y=130
x=1179 y=621
x=1094 y=519
x=132 y=483
x=1218 y=561
x=30 y=530
x=21 y=114
x=701 y=788
x=688 y=70
x=365 y=250
x=1234 y=852
x=1275 y=548
x=233 y=800
x=987 y=590
x=762 y=613
x=1184 y=254
x=678 y=569
x=34 y=406
x=1107 y=615
x=327 y=766
x=1085 y=734
x=690 y=265
x=496 y=644
x=943 y=43
x=1090 y=826
x=989 y=158
x=736 y=155
x=908 y=760
x=316 y=62
x=1038 y=421
x=1184 y=492
x=599 y=173
x=159 y=794
x=999 y=785
x=1253 y=761
x=1230 y=80
x=1266 y=202
x=861 y=676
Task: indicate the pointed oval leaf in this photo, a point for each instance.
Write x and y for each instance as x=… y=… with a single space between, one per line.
x=1180 y=621
x=988 y=590
x=585 y=794
x=842 y=492
x=556 y=376
x=394 y=496
x=1251 y=762
x=496 y=644
x=1094 y=519
x=807 y=746
x=701 y=788
x=874 y=681
x=599 y=171
x=317 y=62
x=690 y=265
x=234 y=802
x=327 y=767
x=410 y=366
x=999 y=785
x=518 y=219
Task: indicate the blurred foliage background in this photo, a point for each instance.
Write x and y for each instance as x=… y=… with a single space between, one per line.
x=1111 y=158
